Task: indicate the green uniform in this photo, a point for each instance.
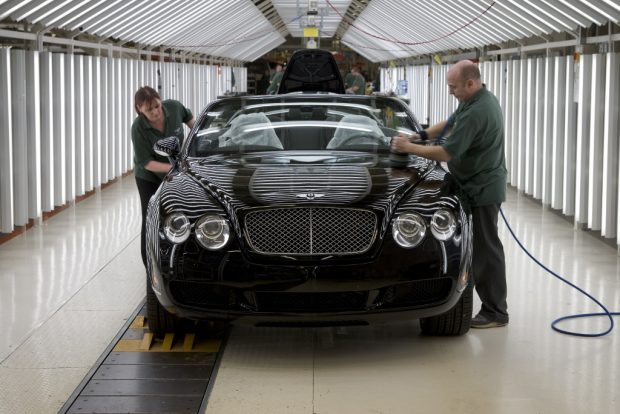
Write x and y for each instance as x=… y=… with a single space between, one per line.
x=476 y=145
x=274 y=84
x=360 y=82
x=348 y=80
x=144 y=136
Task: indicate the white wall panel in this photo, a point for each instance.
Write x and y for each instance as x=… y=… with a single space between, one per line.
x=522 y=118
x=610 y=147
x=79 y=121
x=508 y=119
x=547 y=133
x=583 y=134
x=570 y=141
x=124 y=113
x=19 y=132
x=104 y=99
x=539 y=103
x=58 y=109
x=117 y=136
x=558 y=123
x=597 y=118
x=33 y=117
x=96 y=125
x=88 y=123
x=419 y=92
x=47 y=126
x=530 y=125
x=214 y=82
x=6 y=144
x=70 y=126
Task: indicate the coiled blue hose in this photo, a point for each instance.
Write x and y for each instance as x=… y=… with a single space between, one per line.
x=606 y=312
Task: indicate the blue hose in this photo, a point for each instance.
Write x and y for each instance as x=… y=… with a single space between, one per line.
x=606 y=312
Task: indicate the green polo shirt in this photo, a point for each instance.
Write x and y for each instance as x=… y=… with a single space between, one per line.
x=476 y=145
x=144 y=136
x=360 y=82
x=348 y=80
x=275 y=82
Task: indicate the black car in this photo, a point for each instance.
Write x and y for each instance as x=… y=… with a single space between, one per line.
x=288 y=209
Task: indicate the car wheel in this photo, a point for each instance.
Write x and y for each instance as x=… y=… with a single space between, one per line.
x=454 y=322
x=160 y=321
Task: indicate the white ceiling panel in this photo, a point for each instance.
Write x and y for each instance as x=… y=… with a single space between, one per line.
x=389 y=29
x=224 y=28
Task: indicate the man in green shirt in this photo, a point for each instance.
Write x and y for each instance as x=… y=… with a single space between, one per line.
x=348 y=79
x=274 y=82
x=358 y=83
x=476 y=161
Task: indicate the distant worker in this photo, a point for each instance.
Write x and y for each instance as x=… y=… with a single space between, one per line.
x=348 y=79
x=156 y=120
x=274 y=82
x=358 y=87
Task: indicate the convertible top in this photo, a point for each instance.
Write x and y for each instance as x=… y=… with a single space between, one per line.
x=312 y=70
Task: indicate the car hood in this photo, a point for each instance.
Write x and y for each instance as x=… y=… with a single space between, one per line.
x=301 y=178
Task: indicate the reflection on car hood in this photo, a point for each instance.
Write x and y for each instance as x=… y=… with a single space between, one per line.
x=285 y=178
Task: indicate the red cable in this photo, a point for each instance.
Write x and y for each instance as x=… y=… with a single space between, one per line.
x=350 y=23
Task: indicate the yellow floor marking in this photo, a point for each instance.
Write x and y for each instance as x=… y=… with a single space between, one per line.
x=188 y=343
x=168 y=340
x=135 y=345
x=138 y=322
x=147 y=340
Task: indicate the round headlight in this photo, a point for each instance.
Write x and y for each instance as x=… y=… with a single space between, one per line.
x=443 y=225
x=409 y=230
x=177 y=227
x=212 y=232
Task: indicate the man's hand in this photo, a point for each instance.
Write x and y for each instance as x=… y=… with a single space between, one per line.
x=402 y=142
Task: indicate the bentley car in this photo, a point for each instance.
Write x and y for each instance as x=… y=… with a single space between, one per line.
x=290 y=210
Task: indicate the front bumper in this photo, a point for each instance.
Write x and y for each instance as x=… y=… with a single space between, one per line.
x=395 y=284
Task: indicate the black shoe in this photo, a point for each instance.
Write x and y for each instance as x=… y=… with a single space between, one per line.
x=482 y=322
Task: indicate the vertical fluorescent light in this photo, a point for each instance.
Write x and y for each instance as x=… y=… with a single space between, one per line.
x=597 y=112
x=610 y=147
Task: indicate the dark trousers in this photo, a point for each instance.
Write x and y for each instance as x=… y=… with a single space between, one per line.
x=488 y=263
x=146 y=189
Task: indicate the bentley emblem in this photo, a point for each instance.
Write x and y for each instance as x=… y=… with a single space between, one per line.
x=311 y=195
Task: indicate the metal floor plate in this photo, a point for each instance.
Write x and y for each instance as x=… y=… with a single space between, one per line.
x=138 y=374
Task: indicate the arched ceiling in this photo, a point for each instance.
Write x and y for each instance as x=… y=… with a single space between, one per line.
x=244 y=30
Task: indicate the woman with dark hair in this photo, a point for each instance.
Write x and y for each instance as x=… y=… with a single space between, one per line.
x=156 y=119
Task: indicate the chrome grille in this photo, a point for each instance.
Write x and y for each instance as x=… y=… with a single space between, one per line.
x=311 y=230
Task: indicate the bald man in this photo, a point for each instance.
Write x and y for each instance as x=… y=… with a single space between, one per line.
x=475 y=156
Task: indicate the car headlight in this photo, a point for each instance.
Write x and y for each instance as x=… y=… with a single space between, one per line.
x=443 y=225
x=409 y=230
x=177 y=227
x=212 y=232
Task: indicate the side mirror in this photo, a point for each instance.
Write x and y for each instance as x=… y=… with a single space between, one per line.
x=167 y=147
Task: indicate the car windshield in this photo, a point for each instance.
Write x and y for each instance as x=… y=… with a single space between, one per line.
x=238 y=125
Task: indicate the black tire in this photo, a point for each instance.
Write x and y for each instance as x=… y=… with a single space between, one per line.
x=456 y=321
x=160 y=321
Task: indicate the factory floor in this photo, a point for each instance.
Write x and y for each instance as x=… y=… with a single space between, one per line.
x=68 y=285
